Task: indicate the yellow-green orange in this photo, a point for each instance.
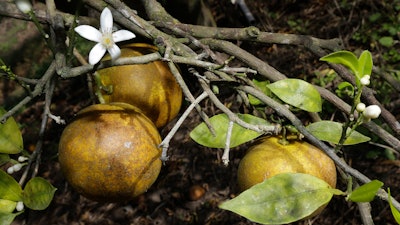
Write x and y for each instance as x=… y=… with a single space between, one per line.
x=269 y=158
x=110 y=153
x=151 y=86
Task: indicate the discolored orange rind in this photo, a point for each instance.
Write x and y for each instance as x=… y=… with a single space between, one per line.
x=110 y=153
x=269 y=158
x=151 y=87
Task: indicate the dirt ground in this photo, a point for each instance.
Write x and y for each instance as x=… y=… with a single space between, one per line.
x=177 y=196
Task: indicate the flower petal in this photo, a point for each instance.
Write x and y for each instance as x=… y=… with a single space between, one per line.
x=106 y=20
x=122 y=35
x=88 y=32
x=96 y=53
x=114 y=51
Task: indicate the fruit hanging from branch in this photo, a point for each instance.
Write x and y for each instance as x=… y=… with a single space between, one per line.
x=151 y=86
x=110 y=153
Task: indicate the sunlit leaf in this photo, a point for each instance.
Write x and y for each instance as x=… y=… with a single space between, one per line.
x=38 y=193
x=281 y=199
x=395 y=212
x=7 y=218
x=298 y=93
x=9 y=188
x=345 y=58
x=202 y=135
x=366 y=192
x=331 y=131
x=7 y=206
x=262 y=85
x=365 y=64
x=10 y=136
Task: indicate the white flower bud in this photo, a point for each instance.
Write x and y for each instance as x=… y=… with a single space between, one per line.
x=10 y=170
x=20 y=206
x=24 y=6
x=372 y=112
x=365 y=80
x=22 y=158
x=360 y=107
x=17 y=167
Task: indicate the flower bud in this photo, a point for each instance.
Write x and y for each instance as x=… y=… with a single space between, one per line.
x=372 y=112
x=20 y=206
x=24 y=6
x=365 y=80
x=360 y=107
x=10 y=170
x=17 y=167
x=22 y=158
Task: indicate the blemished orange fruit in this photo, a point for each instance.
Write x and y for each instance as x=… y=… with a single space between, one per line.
x=110 y=153
x=268 y=158
x=151 y=87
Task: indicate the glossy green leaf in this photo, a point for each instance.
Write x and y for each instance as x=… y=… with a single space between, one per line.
x=202 y=135
x=281 y=199
x=365 y=64
x=9 y=188
x=262 y=85
x=10 y=136
x=366 y=192
x=38 y=193
x=7 y=218
x=345 y=58
x=331 y=131
x=298 y=93
x=7 y=206
x=395 y=212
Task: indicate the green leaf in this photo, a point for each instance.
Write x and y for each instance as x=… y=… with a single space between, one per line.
x=386 y=41
x=345 y=58
x=202 y=135
x=38 y=193
x=365 y=64
x=262 y=85
x=331 y=131
x=366 y=192
x=7 y=206
x=281 y=199
x=395 y=212
x=7 y=218
x=4 y=158
x=9 y=188
x=345 y=89
x=10 y=136
x=298 y=93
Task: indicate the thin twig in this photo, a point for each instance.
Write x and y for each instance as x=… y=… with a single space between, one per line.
x=38 y=90
x=189 y=95
x=165 y=143
x=233 y=117
x=225 y=155
x=80 y=70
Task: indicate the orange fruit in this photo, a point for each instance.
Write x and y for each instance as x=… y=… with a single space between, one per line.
x=151 y=87
x=110 y=153
x=269 y=158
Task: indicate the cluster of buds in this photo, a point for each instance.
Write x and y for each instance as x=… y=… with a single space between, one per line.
x=18 y=166
x=370 y=112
